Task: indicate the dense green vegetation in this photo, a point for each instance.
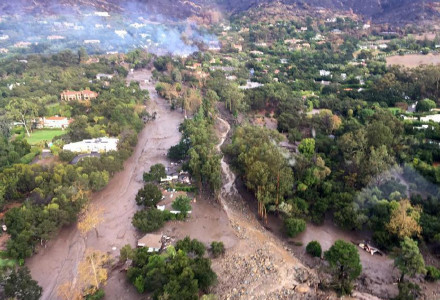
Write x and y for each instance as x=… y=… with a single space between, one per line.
x=17 y=283
x=53 y=196
x=314 y=249
x=177 y=273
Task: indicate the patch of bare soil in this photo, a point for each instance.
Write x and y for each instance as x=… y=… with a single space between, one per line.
x=264 y=121
x=378 y=276
x=413 y=60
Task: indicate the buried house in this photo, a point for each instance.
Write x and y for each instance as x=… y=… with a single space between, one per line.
x=154 y=242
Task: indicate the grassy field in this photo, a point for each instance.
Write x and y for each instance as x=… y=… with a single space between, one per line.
x=44 y=135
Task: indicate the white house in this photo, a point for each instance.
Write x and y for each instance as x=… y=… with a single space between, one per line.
x=105 y=76
x=103 y=144
x=435 y=118
x=55 y=122
x=250 y=85
x=169 y=178
x=324 y=73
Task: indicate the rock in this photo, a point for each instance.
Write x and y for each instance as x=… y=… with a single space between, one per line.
x=302 y=288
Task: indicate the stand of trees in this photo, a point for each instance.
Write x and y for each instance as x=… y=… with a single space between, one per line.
x=53 y=196
x=178 y=273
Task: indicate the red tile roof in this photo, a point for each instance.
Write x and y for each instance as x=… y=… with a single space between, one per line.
x=56 y=118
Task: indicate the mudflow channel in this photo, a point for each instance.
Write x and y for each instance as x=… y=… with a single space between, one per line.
x=58 y=262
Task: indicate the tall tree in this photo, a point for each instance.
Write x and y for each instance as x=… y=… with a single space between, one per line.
x=345 y=265
x=19 y=285
x=149 y=195
x=408 y=259
x=22 y=111
x=91 y=271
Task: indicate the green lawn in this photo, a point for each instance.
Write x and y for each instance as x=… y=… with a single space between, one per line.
x=44 y=135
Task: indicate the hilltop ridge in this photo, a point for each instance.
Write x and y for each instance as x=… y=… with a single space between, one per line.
x=396 y=12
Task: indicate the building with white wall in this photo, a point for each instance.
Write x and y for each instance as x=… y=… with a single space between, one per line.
x=103 y=144
x=434 y=118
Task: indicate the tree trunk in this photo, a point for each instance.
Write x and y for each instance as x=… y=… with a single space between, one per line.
x=96 y=231
x=94 y=272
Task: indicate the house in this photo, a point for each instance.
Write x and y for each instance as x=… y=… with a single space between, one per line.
x=324 y=73
x=262 y=44
x=102 y=14
x=169 y=178
x=184 y=177
x=421 y=127
x=255 y=52
x=250 y=85
x=55 y=37
x=22 y=45
x=434 y=118
x=92 y=41
x=99 y=76
x=78 y=96
x=154 y=242
x=54 y=122
x=238 y=47
x=103 y=144
x=291 y=41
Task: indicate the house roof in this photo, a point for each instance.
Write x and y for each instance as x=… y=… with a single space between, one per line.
x=151 y=240
x=87 y=92
x=73 y=93
x=56 y=118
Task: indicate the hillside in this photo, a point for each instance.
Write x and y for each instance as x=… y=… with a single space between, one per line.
x=396 y=12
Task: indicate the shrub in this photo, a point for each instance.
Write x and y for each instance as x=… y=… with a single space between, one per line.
x=408 y=291
x=66 y=155
x=345 y=265
x=157 y=172
x=217 y=249
x=182 y=204
x=294 y=226
x=432 y=273
x=191 y=246
x=149 y=220
x=98 y=295
x=149 y=195
x=314 y=249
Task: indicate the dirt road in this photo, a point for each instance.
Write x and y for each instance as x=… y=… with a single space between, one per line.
x=58 y=262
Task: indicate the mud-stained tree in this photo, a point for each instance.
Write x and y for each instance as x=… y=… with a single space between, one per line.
x=90 y=218
x=92 y=272
x=69 y=291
